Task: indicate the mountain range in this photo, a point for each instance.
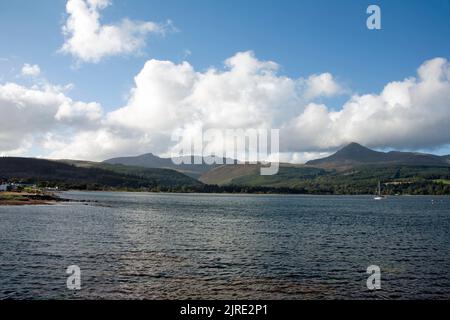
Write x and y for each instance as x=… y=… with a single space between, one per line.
x=188 y=164
x=353 y=169
x=69 y=174
x=356 y=154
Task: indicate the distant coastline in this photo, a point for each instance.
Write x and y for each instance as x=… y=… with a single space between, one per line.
x=26 y=199
x=352 y=170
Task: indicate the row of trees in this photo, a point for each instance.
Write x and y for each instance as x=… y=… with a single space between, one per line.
x=417 y=188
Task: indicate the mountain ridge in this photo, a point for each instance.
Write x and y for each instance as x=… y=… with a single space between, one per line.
x=76 y=174
x=149 y=160
x=353 y=160
x=359 y=178
x=355 y=154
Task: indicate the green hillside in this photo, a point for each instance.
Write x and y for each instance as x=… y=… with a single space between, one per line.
x=164 y=177
x=150 y=160
x=92 y=176
x=396 y=179
x=353 y=169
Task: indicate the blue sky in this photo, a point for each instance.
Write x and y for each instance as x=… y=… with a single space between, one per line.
x=303 y=37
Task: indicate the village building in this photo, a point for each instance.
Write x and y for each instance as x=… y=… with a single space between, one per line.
x=4 y=187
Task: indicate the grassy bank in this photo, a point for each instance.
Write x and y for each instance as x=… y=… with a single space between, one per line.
x=24 y=198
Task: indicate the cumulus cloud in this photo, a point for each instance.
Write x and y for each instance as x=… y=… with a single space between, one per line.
x=413 y=113
x=322 y=85
x=249 y=93
x=29 y=113
x=29 y=70
x=167 y=97
x=88 y=40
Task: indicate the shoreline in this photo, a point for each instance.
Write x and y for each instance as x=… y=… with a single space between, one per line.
x=253 y=193
x=23 y=199
x=26 y=203
x=220 y=193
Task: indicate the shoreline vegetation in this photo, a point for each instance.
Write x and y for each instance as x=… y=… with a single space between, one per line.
x=46 y=198
x=432 y=188
x=21 y=198
x=26 y=198
x=324 y=186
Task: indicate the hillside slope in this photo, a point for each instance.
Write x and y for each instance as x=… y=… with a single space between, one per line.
x=356 y=154
x=225 y=174
x=396 y=179
x=150 y=160
x=90 y=176
x=353 y=169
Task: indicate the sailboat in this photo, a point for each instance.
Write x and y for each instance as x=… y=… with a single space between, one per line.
x=379 y=196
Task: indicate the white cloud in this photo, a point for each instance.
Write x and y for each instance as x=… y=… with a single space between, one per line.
x=79 y=112
x=88 y=40
x=29 y=113
x=297 y=157
x=29 y=70
x=169 y=96
x=413 y=113
x=248 y=93
x=322 y=85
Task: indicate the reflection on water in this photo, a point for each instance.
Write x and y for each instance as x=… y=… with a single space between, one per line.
x=166 y=246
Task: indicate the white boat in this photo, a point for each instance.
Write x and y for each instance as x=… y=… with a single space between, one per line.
x=379 y=196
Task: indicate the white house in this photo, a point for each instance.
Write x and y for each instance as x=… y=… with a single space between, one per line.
x=4 y=187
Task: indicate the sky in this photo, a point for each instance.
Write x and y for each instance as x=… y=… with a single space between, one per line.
x=94 y=79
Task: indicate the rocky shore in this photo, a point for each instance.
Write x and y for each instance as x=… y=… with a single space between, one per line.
x=22 y=198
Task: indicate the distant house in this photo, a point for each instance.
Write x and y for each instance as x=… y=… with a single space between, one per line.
x=4 y=187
